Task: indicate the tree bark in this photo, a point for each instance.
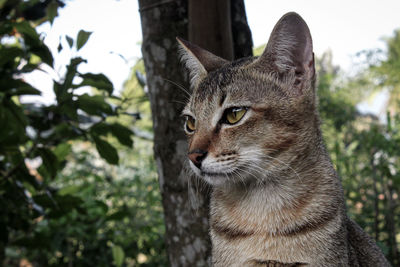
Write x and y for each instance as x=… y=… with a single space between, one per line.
x=185 y=203
x=187 y=239
x=241 y=34
x=210 y=26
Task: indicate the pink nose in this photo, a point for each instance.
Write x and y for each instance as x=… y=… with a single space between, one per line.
x=197 y=156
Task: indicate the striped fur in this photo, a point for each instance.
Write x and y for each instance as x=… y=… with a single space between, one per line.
x=276 y=200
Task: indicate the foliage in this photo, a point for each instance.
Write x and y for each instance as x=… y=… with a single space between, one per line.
x=388 y=70
x=365 y=153
x=57 y=206
x=119 y=219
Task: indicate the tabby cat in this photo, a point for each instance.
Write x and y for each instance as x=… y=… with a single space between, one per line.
x=254 y=135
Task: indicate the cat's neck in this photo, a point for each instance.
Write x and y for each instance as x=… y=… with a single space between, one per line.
x=311 y=173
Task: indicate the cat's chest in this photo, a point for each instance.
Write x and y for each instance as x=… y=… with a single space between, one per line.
x=252 y=233
x=259 y=213
x=258 y=250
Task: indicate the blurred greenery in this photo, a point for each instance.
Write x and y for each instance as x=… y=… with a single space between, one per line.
x=364 y=148
x=73 y=192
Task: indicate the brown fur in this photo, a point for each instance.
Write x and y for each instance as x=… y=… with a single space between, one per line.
x=276 y=200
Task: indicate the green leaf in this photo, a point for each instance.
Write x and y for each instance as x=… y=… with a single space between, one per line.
x=44 y=200
x=18 y=87
x=118 y=255
x=6 y=27
x=82 y=38
x=69 y=190
x=62 y=151
x=8 y=54
x=44 y=53
x=70 y=109
x=59 y=47
x=101 y=128
x=99 y=81
x=94 y=105
x=25 y=28
x=71 y=73
x=12 y=123
x=70 y=41
x=102 y=206
x=52 y=11
x=2 y=3
x=122 y=133
x=28 y=90
x=118 y=216
x=65 y=204
x=50 y=161
x=32 y=39
x=16 y=111
x=29 y=68
x=106 y=151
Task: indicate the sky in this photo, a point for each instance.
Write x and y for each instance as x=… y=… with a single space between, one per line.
x=344 y=27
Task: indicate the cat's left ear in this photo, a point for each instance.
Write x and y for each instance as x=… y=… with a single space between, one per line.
x=290 y=50
x=198 y=60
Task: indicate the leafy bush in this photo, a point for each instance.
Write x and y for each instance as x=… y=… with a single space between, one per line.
x=60 y=204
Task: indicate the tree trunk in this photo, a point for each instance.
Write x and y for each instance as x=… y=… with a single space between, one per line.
x=210 y=26
x=241 y=34
x=187 y=239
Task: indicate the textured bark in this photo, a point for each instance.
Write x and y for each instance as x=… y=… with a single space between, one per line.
x=241 y=34
x=210 y=26
x=186 y=206
x=187 y=239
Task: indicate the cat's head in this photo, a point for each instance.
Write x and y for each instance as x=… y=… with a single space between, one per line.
x=248 y=119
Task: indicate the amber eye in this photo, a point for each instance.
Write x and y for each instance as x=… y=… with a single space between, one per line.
x=234 y=115
x=190 y=124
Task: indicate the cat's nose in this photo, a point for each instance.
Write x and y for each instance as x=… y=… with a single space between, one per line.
x=197 y=156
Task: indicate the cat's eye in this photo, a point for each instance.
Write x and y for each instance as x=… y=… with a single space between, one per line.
x=234 y=115
x=190 y=124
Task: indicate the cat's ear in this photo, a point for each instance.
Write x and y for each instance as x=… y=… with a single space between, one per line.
x=290 y=50
x=198 y=61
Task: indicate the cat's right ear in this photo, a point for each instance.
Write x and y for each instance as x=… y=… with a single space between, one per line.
x=198 y=61
x=290 y=51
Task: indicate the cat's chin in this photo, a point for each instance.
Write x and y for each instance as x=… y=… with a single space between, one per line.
x=212 y=178
x=215 y=179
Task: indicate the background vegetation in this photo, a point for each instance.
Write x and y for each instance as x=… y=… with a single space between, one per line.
x=78 y=183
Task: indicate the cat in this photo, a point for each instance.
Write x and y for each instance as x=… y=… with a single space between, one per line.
x=254 y=135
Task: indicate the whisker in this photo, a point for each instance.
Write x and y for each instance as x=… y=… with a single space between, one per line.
x=262 y=153
x=287 y=165
x=179 y=102
x=259 y=179
x=179 y=86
